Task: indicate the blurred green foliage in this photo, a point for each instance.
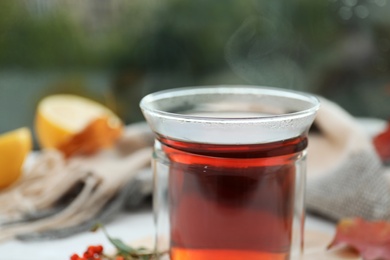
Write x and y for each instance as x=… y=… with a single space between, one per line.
x=120 y=50
x=147 y=35
x=46 y=41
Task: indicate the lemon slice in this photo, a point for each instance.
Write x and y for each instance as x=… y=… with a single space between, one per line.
x=14 y=148
x=59 y=117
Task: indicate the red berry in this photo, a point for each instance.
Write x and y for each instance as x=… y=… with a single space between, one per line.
x=88 y=255
x=119 y=258
x=95 y=249
x=90 y=249
x=99 y=249
x=75 y=257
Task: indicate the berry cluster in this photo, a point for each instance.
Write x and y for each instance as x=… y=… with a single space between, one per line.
x=93 y=253
x=124 y=252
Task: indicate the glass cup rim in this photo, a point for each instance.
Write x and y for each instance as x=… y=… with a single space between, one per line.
x=149 y=99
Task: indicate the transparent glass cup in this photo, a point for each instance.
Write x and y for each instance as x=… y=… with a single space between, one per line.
x=229 y=171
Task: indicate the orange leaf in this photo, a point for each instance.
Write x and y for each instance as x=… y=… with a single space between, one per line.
x=100 y=133
x=382 y=144
x=370 y=239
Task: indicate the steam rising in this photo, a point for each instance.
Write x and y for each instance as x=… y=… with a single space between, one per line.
x=255 y=53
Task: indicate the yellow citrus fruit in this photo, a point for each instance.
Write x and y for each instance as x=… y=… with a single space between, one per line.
x=59 y=117
x=14 y=148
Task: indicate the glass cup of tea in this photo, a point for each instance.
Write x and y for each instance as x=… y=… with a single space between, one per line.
x=229 y=171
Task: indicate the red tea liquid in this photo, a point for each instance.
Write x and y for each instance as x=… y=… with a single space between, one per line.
x=232 y=202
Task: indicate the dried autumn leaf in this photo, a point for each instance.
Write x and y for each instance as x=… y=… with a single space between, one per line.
x=100 y=133
x=370 y=239
x=382 y=144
